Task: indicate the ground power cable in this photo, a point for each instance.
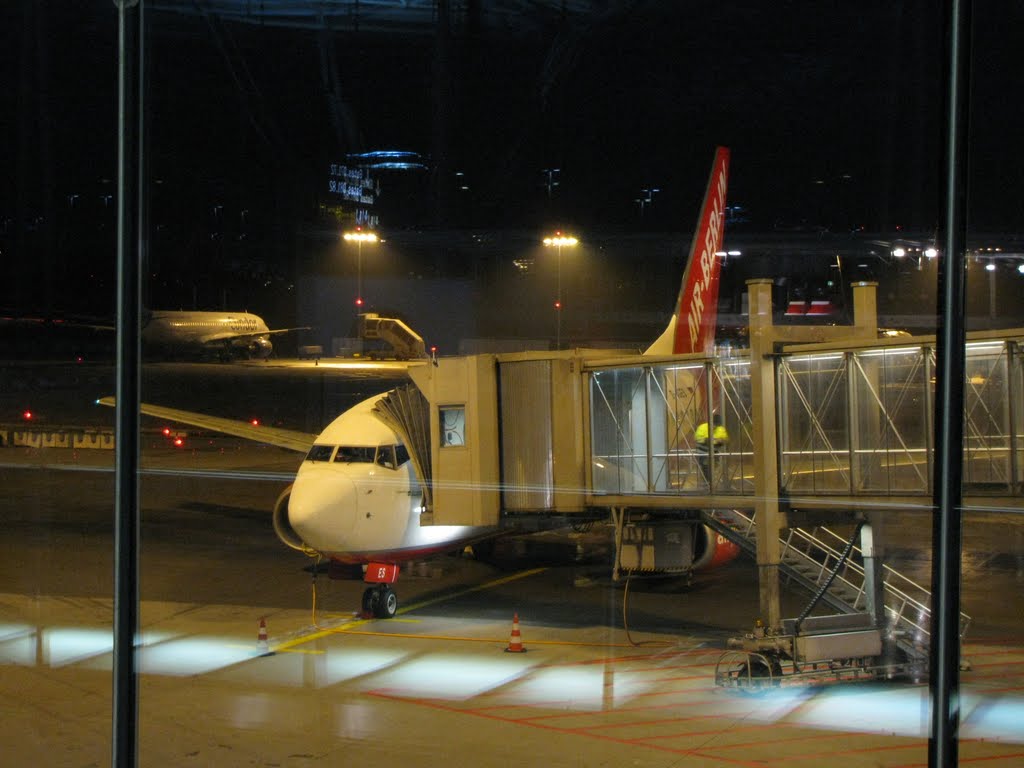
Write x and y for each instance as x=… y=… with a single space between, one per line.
x=625 y=621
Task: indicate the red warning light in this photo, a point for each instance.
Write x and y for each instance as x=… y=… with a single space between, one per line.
x=179 y=441
x=27 y=415
x=558 y=305
x=359 y=302
x=433 y=350
x=167 y=431
x=255 y=422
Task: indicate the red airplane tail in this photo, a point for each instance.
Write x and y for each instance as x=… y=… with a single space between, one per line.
x=692 y=327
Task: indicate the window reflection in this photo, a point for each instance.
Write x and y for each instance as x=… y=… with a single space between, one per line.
x=460 y=132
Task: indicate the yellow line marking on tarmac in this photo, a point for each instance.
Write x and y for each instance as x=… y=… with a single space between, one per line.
x=287 y=646
x=477 y=588
x=459 y=638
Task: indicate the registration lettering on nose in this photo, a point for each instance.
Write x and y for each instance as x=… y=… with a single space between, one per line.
x=381 y=573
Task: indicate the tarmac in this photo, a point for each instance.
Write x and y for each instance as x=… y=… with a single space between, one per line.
x=427 y=689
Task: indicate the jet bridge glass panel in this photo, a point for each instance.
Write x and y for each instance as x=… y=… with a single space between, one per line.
x=1016 y=400
x=988 y=432
x=814 y=436
x=861 y=422
x=618 y=426
x=890 y=420
x=645 y=423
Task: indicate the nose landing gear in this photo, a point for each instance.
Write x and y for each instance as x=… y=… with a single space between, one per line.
x=380 y=601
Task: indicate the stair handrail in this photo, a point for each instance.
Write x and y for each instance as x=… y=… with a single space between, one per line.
x=898 y=598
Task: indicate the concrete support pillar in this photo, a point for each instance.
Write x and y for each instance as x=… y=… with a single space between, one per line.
x=865 y=309
x=865 y=321
x=766 y=470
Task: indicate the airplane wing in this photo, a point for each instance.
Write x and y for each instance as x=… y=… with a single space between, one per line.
x=90 y=324
x=282 y=438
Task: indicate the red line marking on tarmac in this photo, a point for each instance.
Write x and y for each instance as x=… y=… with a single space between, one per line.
x=817 y=736
x=633 y=710
x=732 y=729
x=678 y=679
x=1002 y=664
x=534 y=705
x=547 y=703
x=1009 y=689
x=979 y=759
x=601 y=732
x=638 y=657
x=434 y=704
x=979 y=653
x=987 y=676
x=917 y=744
x=641 y=723
x=709 y=665
x=996 y=641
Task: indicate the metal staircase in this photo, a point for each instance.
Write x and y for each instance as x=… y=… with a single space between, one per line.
x=809 y=558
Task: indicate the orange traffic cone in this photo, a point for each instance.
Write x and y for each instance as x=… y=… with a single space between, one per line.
x=261 y=638
x=515 y=642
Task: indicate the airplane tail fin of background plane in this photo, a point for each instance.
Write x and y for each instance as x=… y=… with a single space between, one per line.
x=692 y=326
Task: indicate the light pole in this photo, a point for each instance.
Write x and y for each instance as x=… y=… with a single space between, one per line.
x=559 y=241
x=358 y=236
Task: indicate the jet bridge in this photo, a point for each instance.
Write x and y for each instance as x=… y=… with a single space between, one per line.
x=829 y=433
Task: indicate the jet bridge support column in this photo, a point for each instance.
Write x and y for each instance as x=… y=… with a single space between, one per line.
x=865 y=322
x=874 y=588
x=766 y=463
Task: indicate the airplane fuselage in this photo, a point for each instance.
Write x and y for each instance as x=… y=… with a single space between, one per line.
x=238 y=334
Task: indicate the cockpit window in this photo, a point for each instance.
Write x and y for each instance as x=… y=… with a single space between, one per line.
x=320 y=453
x=401 y=454
x=386 y=456
x=355 y=454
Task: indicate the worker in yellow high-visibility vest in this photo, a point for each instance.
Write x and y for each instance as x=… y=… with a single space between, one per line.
x=707 y=436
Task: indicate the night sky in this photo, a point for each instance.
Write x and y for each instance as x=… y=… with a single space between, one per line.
x=832 y=110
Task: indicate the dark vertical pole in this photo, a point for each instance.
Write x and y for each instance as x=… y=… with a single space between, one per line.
x=126 y=431
x=949 y=402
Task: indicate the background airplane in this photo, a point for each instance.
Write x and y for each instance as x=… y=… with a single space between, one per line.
x=357 y=499
x=171 y=334
x=225 y=335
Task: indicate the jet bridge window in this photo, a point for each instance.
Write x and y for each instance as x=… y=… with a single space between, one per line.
x=320 y=453
x=350 y=454
x=453 y=425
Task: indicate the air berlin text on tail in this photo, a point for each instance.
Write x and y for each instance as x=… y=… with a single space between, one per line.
x=699 y=296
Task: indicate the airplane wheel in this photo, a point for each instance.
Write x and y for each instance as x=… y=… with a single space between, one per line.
x=387 y=604
x=756 y=677
x=370 y=601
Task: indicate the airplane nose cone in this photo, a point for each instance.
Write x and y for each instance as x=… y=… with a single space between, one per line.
x=322 y=508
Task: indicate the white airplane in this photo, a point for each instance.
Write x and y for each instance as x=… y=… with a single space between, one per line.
x=226 y=335
x=357 y=499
